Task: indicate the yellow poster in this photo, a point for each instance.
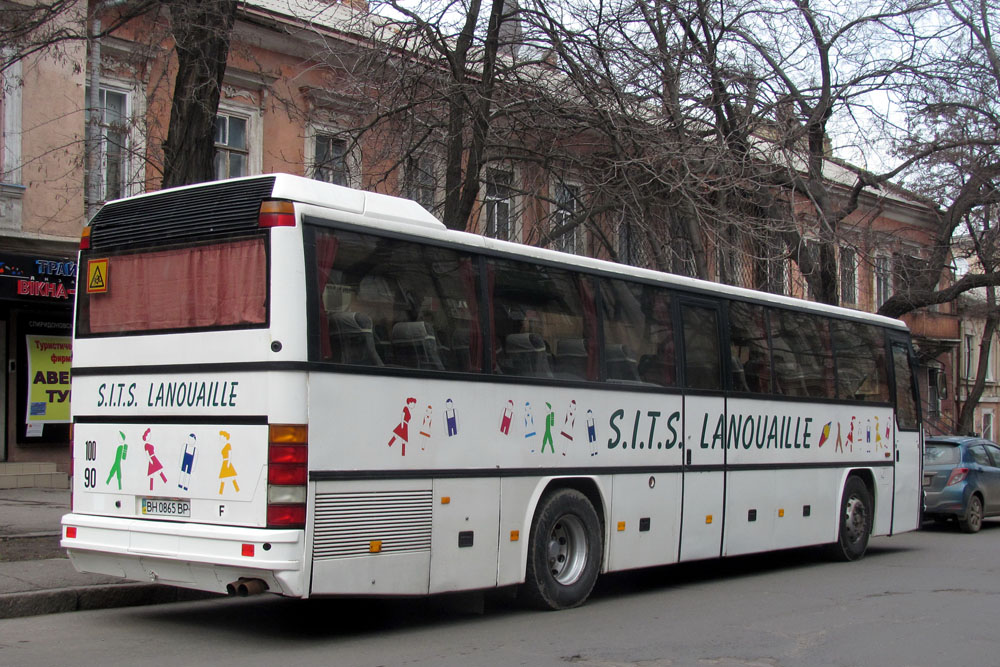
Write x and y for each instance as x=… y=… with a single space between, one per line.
x=49 y=360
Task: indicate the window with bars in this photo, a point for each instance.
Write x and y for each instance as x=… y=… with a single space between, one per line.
x=567 y=210
x=419 y=181
x=499 y=205
x=112 y=144
x=232 y=152
x=848 y=276
x=883 y=280
x=330 y=157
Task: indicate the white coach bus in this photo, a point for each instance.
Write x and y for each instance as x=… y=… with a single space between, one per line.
x=288 y=386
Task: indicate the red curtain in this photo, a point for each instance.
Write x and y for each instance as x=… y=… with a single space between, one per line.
x=185 y=288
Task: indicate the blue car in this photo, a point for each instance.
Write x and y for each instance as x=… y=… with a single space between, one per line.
x=961 y=480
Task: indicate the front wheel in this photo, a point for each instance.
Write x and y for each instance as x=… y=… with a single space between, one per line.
x=855 y=525
x=564 y=551
x=973 y=519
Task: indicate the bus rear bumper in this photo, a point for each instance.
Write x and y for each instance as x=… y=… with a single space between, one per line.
x=198 y=556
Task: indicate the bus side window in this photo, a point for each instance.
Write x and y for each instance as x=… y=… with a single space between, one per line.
x=544 y=324
x=638 y=333
x=907 y=414
x=802 y=353
x=702 y=353
x=748 y=348
x=861 y=367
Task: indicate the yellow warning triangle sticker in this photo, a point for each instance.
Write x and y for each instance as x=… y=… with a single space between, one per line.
x=97 y=279
x=97 y=275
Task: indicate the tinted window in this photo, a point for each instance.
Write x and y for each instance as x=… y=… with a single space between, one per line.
x=748 y=348
x=994 y=453
x=638 y=333
x=394 y=303
x=941 y=454
x=861 y=369
x=977 y=454
x=702 y=358
x=803 y=358
x=544 y=322
x=906 y=403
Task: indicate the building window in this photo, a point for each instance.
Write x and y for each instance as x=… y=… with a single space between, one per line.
x=419 y=181
x=112 y=144
x=848 y=276
x=969 y=346
x=330 y=160
x=883 y=280
x=629 y=245
x=499 y=205
x=232 y=153
x=567 y=210
x=988 y=424
x=933 y=392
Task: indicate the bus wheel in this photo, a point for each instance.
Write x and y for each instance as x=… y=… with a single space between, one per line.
x=855 y=521
x=564 y=551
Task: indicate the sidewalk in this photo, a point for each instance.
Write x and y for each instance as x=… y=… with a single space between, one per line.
x=36 y=577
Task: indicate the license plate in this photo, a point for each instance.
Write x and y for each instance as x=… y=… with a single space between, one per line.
x=164 y=507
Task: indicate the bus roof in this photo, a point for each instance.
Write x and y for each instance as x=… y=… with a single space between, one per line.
x=399 y=215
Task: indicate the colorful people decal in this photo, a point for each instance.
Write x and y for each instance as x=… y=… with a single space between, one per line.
x=591 y=433
x=116 y=468
x=154 y=463
x=508 y=415
x=187 y=461
x=228 y=471
x=449 y=417
x=569 y=421
x=402 y=430
x=550 y=421
x=425 y=426
x=529 y=421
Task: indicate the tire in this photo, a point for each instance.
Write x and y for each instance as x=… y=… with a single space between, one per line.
x=973 y=519
x=564 y=551
x=855 y=524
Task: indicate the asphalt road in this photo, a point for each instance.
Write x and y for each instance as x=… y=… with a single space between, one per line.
x=928 y=598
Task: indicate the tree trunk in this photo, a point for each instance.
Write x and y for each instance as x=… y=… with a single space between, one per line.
x=202 y=31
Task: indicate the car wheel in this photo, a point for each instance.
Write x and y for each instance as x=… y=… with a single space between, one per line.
x=855 y=525
x=973 y=519
x=564 y=551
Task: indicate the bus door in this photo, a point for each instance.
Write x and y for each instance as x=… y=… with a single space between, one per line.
x=908 y=454
x=704 y=443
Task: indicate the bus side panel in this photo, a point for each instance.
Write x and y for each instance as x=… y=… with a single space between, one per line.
x=645 y=520
x=704 y=490
x=465 y=533
x=906 y=508
x=372 y=537
x=518 y=498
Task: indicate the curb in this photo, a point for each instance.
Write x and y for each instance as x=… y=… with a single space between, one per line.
x=84 y=598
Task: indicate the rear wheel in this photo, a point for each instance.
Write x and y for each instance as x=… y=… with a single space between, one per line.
x=855 y=521
x=973 y=519
x=564 y=551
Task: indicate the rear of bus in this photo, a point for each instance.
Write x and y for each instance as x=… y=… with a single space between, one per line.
x=190 y=436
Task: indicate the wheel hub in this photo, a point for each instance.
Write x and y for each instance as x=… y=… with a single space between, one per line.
x=567 y=549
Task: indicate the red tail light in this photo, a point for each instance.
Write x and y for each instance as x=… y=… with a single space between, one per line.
x=286 y=516
x=287 y=475
x=85 y=239
x=276 y=214
x=957 y=475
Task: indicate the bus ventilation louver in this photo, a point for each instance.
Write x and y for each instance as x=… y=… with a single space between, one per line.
x=221 y=210
x=346 y=524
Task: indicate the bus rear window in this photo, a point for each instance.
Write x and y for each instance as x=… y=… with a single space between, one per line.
x=219 y=285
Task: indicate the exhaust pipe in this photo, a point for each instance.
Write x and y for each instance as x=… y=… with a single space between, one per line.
x=244 y=587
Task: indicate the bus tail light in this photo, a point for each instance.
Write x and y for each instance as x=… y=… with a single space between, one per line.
x=276 y=214
x=287 y=475
x=85 y=238
x=957 y=475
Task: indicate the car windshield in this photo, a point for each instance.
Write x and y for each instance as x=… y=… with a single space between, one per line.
x=937 y=453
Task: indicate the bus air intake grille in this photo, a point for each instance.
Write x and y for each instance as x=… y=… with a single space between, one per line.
x=219 y=210
x=348 y=523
